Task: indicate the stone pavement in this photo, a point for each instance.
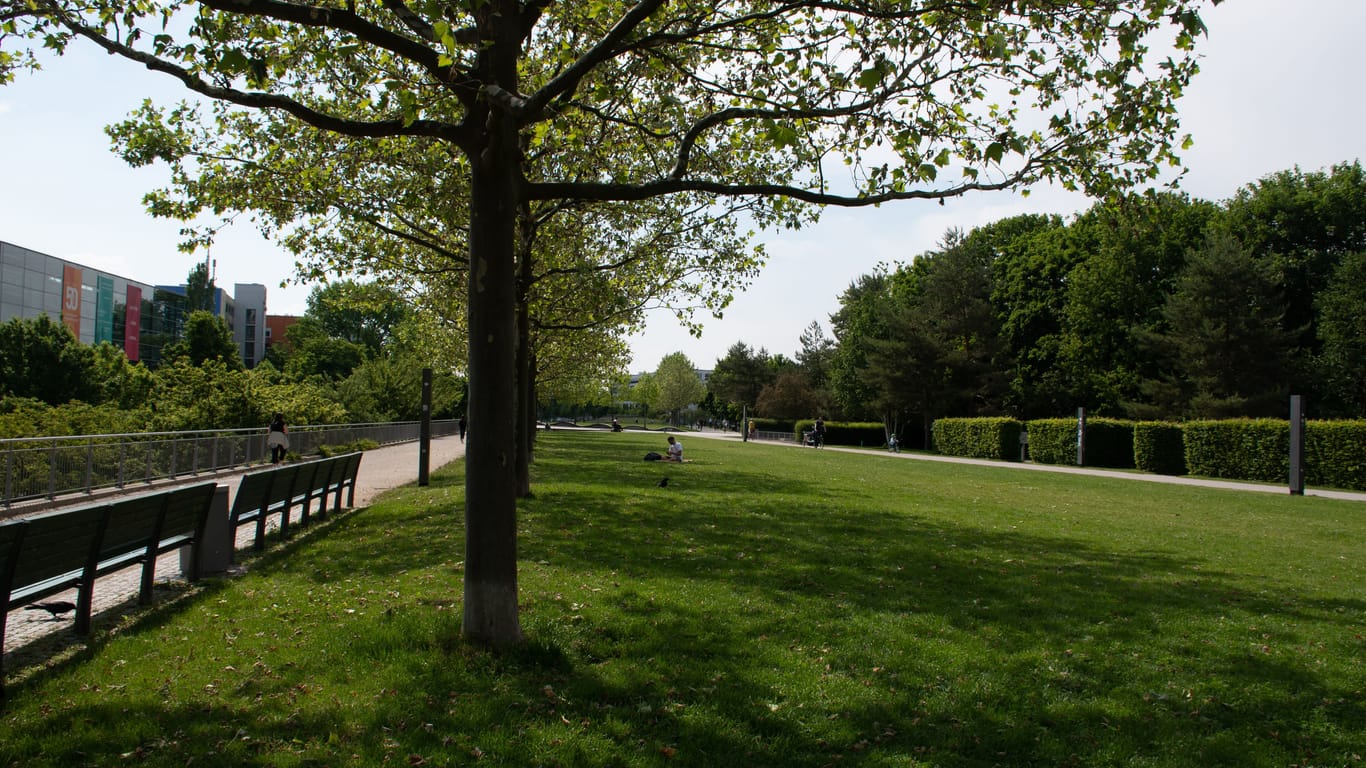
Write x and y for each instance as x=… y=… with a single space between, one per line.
x=380 y=470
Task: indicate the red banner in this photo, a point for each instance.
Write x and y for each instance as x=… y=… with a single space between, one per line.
x=132 y=323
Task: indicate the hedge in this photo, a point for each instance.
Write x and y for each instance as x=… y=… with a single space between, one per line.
x=1109 y=442
x=1160 y=448
x=772 y=425
x=1335 y=454
x=990 y=438
x=860 y=433
x=1239 y=449
x=1052 y=441
x=1236 y=449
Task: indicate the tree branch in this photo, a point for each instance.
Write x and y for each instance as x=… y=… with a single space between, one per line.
x=257 y=100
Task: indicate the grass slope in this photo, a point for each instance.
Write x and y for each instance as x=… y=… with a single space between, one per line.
x=770 y=607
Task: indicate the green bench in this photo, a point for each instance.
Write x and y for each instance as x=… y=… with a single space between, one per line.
x=280 y=490
x=46 y=554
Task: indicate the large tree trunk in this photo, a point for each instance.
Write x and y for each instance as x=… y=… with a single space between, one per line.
x=491 y=450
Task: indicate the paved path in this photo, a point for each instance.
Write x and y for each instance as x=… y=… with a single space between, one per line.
x=380 y=470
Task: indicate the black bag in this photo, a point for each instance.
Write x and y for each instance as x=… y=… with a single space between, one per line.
x=652 y=456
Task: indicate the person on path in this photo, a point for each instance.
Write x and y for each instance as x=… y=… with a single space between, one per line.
x=820 y=432
x=278 y=438
x=462 y=429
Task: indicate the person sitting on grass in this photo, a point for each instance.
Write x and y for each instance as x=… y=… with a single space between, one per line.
x=675 y=452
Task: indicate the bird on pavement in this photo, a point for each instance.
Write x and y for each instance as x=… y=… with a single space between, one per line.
x=664 y=483
x=56 y=607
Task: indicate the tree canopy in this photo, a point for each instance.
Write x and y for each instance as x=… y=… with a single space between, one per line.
x=1148 y=306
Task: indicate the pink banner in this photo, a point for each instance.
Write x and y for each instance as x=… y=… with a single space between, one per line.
x=132 y=323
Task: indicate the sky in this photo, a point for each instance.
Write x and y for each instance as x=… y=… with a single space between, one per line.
x=1279 y=87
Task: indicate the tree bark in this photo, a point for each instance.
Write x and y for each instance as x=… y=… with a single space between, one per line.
x=490 y=595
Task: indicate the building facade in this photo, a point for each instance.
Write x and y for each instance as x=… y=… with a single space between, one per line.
x=249 y=326
x=99 y=306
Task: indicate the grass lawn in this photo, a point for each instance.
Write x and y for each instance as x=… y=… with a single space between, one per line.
x=770 y=607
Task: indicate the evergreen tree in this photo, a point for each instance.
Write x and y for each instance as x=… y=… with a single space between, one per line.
x=1231 y=352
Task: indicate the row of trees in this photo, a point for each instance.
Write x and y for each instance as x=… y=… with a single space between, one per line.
x=1155 y=306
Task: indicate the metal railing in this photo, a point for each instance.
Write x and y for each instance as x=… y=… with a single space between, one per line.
x=48 y=467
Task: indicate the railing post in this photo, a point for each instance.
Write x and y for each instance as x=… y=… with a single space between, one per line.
x=52 y=471
x=89 y=464
x=123 y=457
x=424 y=440
x=9 y=474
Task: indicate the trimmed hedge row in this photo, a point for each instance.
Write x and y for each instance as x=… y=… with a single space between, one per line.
x=1109 y=442
x=1237 y=449
x=1053 y=441
x=860 y=433
x=1160 y=448
x=772 y=425
x=988 y=438
x=1335 y=454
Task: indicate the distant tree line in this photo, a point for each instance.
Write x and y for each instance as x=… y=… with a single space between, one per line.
x=1154 y=306
x=356 y=356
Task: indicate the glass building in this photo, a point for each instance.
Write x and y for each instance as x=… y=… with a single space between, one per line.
x=98 y=306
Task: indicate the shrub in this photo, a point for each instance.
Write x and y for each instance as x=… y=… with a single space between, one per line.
x=1335 y=454
x=1239 y=449
x=860 y=433
x=986 y=438
x=773 y=425
x=1053 y=441
x=1160 y=447
x=363 y=444
x=1109 y=442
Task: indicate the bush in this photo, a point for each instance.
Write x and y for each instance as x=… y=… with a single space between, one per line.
x=859 y=433
x=1109 y=442
x=1335 y=454
x=773 y=425
x=1053 y=441
x=987 y=438
x=1160 y=447
x=1239 y=449
x=363 y=444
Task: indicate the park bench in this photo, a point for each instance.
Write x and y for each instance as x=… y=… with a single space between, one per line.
x=46 y=554
x=279 y=490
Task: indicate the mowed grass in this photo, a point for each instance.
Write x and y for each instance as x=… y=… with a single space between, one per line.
x=770 y=607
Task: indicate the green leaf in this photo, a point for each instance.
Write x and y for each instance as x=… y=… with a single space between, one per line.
x=232 y=62
x=871 y=78
x=994 y=152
